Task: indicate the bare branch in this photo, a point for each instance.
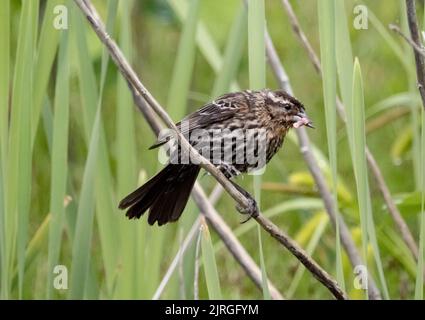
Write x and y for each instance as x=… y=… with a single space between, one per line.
x=419 y=58
x=386 y=194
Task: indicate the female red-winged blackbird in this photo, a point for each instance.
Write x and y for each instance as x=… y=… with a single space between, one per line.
x=238 y=132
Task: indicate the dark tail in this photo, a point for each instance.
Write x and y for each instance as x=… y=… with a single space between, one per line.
x=165 y=195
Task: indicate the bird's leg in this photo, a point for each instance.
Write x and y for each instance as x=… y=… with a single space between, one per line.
x=252 y=209
x=228 y=169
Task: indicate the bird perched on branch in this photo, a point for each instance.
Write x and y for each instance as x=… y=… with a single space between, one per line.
x=238 y=132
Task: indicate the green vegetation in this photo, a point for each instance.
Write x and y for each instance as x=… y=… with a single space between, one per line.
x=72 y=144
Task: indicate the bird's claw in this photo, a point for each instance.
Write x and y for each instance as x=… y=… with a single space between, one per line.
x=228 y=170
x=251 y=210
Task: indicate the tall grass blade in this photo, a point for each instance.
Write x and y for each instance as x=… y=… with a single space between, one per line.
x=344 y=54
x=4 y=76
x=419 y=285
x=183 y=66
x=326 y=12
x=210 y=265
x=181 y=284
x=18 y=193
x=46 y=52
x=59 y=160
x=35 y=247
x=80 y=268
x=84 y=228
x=3 y=260
x=233 y=53
x=4 y=110
x=256 y=44
x=360 y=171
x=69 y=203
x=106 y=212
x=203 y=38
x=128 y=282
x=318 y=223
x=257 y=80
x=388 y=38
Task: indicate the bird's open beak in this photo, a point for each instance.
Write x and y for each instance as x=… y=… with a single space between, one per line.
x=310 y=125
x=301 y=119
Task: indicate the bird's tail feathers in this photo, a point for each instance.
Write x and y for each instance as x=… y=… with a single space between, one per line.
x=165 y=195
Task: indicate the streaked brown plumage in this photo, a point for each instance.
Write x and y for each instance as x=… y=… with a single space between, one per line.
x=225 y=123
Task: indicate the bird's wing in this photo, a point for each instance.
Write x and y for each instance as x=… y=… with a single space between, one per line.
x=219 y=110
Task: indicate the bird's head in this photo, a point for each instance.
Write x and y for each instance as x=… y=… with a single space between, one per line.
x=287 y=108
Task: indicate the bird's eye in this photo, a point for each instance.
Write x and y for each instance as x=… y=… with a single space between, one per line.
x=287 y=107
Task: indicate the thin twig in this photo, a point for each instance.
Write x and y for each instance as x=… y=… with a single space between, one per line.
x=419 y=58
x=197 y=264
x=200 y=198
x=380 y=181
x=417 y=48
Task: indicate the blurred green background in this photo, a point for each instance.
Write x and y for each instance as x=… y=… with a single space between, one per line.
x=117 y=258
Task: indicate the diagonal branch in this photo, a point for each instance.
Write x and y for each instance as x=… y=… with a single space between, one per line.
x=379 y=178
x=200 y=198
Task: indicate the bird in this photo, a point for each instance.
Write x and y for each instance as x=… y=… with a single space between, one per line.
x=238 y=132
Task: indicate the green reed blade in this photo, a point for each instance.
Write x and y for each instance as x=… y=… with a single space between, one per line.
x=59 y=159
x=327 y=23
x=210 y=265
